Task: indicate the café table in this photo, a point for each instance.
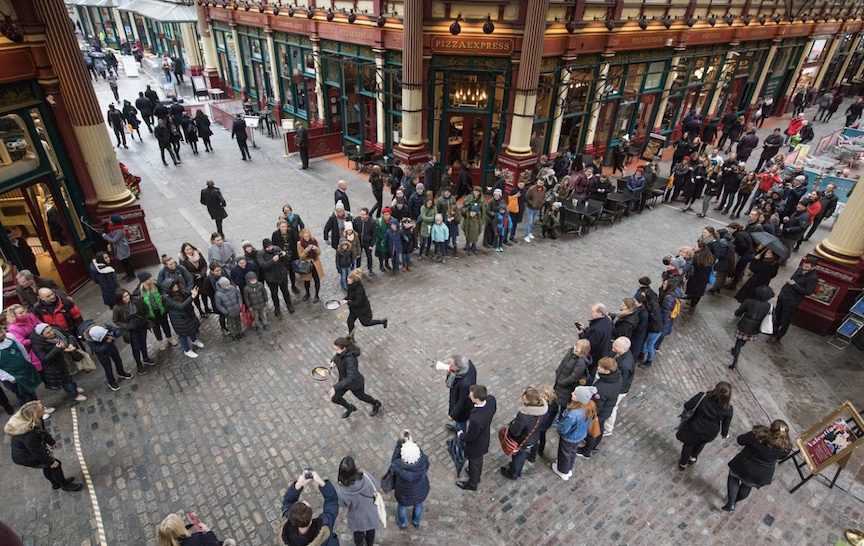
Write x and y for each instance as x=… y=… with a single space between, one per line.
x=581 y=214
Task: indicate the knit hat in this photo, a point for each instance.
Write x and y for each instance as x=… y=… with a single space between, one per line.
x=244 y=244
x=144 y=276
x=41 y=328
x=251 y=275
x=349 y=225
x=420 y=187
x=223 y=282
x=804 y=201
x=584 y=394
x=265 y=243
x=497 y=191
x=557 y=204
x=394 y=222
x=385 y=210
x=339 y=205
x=98 y=333
x=116 y=219
x=410 y=452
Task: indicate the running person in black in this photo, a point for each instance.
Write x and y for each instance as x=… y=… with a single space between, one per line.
x=345 y=362
x=358 y=303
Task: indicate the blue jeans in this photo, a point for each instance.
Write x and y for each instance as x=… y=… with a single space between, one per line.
x=402 y=515
x=184 y=342
x=518 y=460
x=514 y=221
x=650 y=342
x=406 y=259
x=343 y=277
x=394 y=261
x=71 y=389
x=530 y=217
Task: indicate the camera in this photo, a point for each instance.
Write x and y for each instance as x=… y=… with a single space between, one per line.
x=667 y=259
x=307 y=473
x=578 y=325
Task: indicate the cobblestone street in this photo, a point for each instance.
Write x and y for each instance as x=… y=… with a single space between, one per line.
x=226 y=434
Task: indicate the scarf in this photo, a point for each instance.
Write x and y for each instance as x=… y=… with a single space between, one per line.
x=102 y=268
x=304 y=244
x=452 y=376
x=150 y=300
x=195 y=258
x=290 y=217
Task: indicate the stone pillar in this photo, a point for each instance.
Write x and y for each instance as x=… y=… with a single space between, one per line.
x=840 y=270
x=208 y=46
x=191 y=48
x=133 y=22
x=757 y=91
x=596 y=101
x=558 y=116
x=725 y=77
x=832 y=50
x=118 y=22
x=843 y=68
x=412 y=146
x=667 y=89
x=517 y=160
x=241 y=73
x=786 y=97
x=274 y=79
x=319 y=81
x=107 y=193
x=380 y=102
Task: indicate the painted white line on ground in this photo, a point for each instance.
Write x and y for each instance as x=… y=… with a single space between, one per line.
x=724 y=224
x=100 y=528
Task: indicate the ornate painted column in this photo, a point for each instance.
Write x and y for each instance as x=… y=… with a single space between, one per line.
x=757 y=91
x=725 y=77
x=517 y=161
x=667 y=90
x=840 y=270
x=832 y=50
x=208 y=47
x=319 y=81
x=596 y=101
x=855 y=43
x=380 y=102
x=118 y=24
x=560 y=99
x=241 y=73
x=412 y=146
x=274 y=79
x=190 y=47
x=134 y=25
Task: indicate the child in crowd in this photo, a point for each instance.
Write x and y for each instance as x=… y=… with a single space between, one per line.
x=440 y=235
x=454 y=216
x=345 y=260
x=228 y=302
x=394 y=243
x=255 y=297
x=408 y=234
x=501 y=226
x=551 y=220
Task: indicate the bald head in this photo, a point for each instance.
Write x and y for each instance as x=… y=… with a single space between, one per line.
x=342 y=185
x=620 y=346
x=46 y=295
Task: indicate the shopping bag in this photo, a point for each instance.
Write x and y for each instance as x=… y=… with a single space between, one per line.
x=767 y=326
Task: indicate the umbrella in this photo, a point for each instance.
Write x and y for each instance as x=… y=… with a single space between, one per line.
x=97 y=54
x=457 y=453
x=769 y=241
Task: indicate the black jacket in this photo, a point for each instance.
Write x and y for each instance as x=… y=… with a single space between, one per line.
x=160 y=110
x=797 y=225
x=273 y=271
x=624 y=326
x=115 y=119
x=743 y=243
x=332 y=231
x=366 y=230
x=627 y=368
x=608 y=388
x=358 y=303
x=709 y=420
x=203 y=125
x=805 y=284
x=755 y=463
x=340 y=195
x=571 y=372
x=476 y=436
x=215 y=203
x=163 y=135
x=751 y=312
x=287 y=242
x=747 y=144
x=144 y=106
x=525 y=427
x=238 y=129
x=30 y=449
x=599 y=333
x=349 y=374
x=829 y=204
x=772 y=145
x=302 y=137
x=655 y=314
x=182 y=315
x=459 y=405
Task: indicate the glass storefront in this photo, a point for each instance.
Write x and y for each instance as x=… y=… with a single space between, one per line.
x=696 y=81
x=393 y=100
x=256 y=64
x=630 y=96
x=351 y=92
x=296 y=75
x=226 y=50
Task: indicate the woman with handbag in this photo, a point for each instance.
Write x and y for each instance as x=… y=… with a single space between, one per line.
x=409 y=467
x=131 y=316
x=522 y=432
x=752 y=314
x=704 y=417
x=754 y=465
x=357 y=493
x=309 y=252
x=573 y=426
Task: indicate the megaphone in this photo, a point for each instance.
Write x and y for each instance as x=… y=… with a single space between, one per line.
x=440 y=366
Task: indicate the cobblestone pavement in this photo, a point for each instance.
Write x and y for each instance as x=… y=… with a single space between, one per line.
x=225 y=434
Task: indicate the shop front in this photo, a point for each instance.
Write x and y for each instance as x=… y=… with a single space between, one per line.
x=39 y=202
x=812 y=64
x=697 y=79
x=295 y=69
x=781 y=73
x=468 y=125
x=256 y=65
x=350 y=93
x=740 y=78
x=229 y=58
x=839 y=61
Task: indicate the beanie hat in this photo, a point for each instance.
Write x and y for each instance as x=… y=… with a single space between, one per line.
x=339 y=205
x=144 y=275
x=349 y=225
x=420 y=187
x=265 y=243
x=244 y=244
x=410 y=452
x=251 y=275
x=497 y=191
x=116 y=219
x=584 y=394
x=223 y=282
x=98 y=333
x=41 y=328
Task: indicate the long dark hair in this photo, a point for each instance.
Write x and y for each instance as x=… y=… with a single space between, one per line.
x=703 y=256
x=348 y=471
x=722 y=394
x=343 y=342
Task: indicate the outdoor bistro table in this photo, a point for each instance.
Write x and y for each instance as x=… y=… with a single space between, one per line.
x=582 y=214
x=618 y=203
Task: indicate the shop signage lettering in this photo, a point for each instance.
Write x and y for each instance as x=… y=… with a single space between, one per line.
x=476 y=46
x=250 y=18
x=291 y=25
x=219 y=14
x=341 y=33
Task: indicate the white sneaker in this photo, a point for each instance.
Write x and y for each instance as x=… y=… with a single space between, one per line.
x=80 y=398
x=198 y=344
x=531 y=235
x=561 y=475
x=80 y=390
x=173 y=341
x=191 y=354
x=527 y=239
x=49 y=410
x=607 y=433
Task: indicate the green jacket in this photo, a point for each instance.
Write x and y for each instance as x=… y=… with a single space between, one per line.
x=472 y=225
x=427 y=216
x=381 y=243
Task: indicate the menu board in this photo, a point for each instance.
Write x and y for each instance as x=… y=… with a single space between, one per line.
x=833 y=439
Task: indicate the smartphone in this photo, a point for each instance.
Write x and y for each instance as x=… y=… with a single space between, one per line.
x=307 y=473
x=578 y=325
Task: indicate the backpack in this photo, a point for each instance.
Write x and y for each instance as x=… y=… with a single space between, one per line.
x=676 y=309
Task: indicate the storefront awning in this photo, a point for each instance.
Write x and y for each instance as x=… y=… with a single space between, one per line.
x=166 y=12
x=94 y=3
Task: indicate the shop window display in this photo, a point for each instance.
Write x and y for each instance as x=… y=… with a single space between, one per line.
x=17 y=155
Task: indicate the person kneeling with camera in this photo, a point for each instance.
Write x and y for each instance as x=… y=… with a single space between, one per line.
x=301 y=528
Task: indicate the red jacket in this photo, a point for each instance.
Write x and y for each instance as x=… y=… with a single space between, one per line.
x=767 y=181
x=65 y=314
x=794 y=126
x=813 y=209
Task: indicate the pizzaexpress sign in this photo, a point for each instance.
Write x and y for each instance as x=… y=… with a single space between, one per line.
x=493 y=47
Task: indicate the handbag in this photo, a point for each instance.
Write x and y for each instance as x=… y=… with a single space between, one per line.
x=86 y=363
x=388 y=481
x=513 y=204
x=246 y=314
x=767 y=326
x=688 y=414
x=594 y=428
x=302 y=267
x=508 y=444
x=378 y=499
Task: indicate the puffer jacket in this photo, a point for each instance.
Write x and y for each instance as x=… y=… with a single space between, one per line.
x=55 y=361
x=411 y=480
x=180 y=274
x=228 y=301
x=570 y=374
x=255 y=295
x=182 y=315
x=29 y=443
x=21 y=329
x=525 y=427
x=349 y=374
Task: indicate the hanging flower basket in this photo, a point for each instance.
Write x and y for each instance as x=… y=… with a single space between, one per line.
x=132 y=182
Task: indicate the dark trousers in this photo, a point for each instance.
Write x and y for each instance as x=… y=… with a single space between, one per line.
x=736 y=350
x=275 y=287
x=219 y=226
x=161 y=325
x=365 y=321
x=736 y=491
x=304 y=158
x=368 y=252
x=128 y=268
x=816 y=222
x=105 y=359
x=120 y=134
x=475 y=469
x=207 y=145
x=138 y=342
x=740 y=266
x=379 y=199
x=518 y=461
x=170 y=152
x=116 y=92
x=21 y=394
x=690 y=450
x=55 y=475
x=740 y=200
x=244 y=149
x=148 y=119
x=727 y=199
x=783 y=313
x=366 y=538
x=359 y=393
x=5 y=403
x=306 y=284
x=566 y=455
